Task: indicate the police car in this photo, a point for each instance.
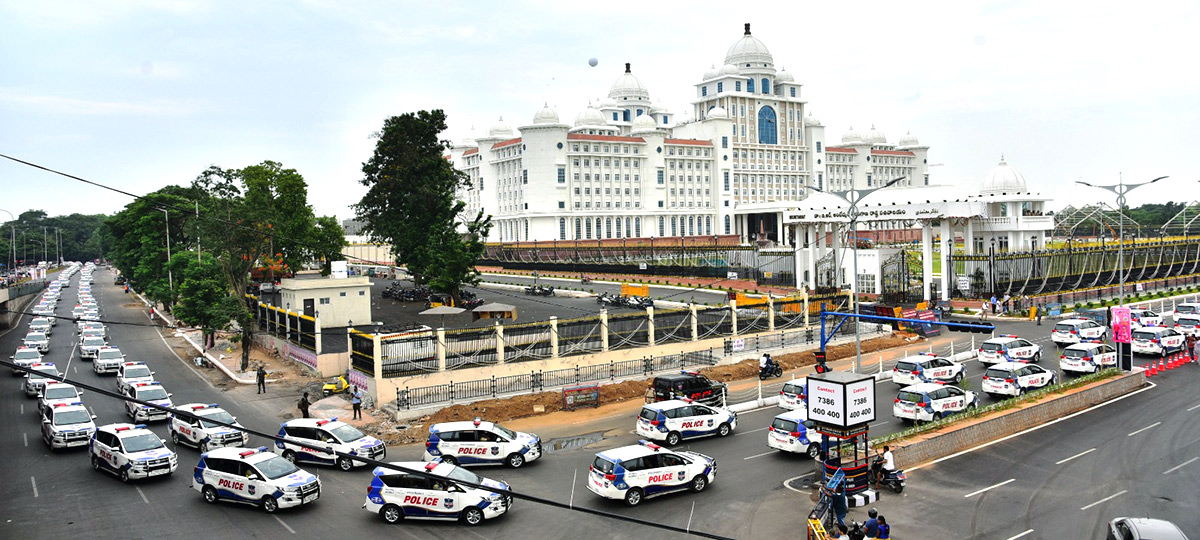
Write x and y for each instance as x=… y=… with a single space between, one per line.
x=1139 y=317
x=253 y=476
x=640 y=471
x=37 y=340
x=54 y=392
x=1076 y=330
x=131 y=373
x=788 y=433
x=65 y=425
x=481 y=443
x=333 y=436
x=1158 y=341
x=1188 y=325
x=792 y=396
x=36 y=380
x=93 y=325
x=90 y=346
x=931 y=401
x=24 y=357
x=1186 y=308
x=677 y=419
x=130 y=452
x=153 y=392
x=41 y=324
x=202 y=432
x=107 y=360
x=1087 y=357
x=396 y=495
x=1009 y=348
x=1015 y=378
x=926 y=368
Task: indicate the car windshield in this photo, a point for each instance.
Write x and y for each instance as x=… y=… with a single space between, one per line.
x=111 y=354
x=508 y=433
x=27 y=355
x=76 y=416
x=40 y=321
x=993 y=347
x=602 y=465
x=1145 y=335
x=463 y=475
x=1147 y=313
x=62 y=392
x=793 y=388
x=35 y=336
x=914 y=397
x=152 y=393
x=784 y=425
x=346 y=433
x=905 y=366
x=996 y=373
x=1187 y=322
x=93 y=342
x=1063 y=327
x=1077 y=353
x=275 y=467
x=141 y=442
x=649 y=414
x=137 y=371
x=219 y=416
x=1185 y=308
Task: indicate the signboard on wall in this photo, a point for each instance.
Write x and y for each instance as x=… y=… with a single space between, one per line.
x=731 y=275
x=841 y=399
x=337 y=269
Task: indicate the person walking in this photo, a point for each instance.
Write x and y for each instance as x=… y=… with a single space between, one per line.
x=983 y=309
x=1041 y=307
x=260 y=376
x=356 y=401
x=303 y=405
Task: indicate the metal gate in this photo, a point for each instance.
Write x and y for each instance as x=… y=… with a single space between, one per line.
x=900 y=279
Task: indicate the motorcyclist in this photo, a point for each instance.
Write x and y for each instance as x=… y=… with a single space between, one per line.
x=883 y=465
x=871 y=526
x=766 y=364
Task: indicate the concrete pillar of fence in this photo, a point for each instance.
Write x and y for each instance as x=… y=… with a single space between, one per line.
x=378 y=350
x=349 y=342
x=499 y=343
x=441 y=349
x=733 y=316
x=770 y=313
x=317 y=335
x=650 y=325
x=553 y=337
x=604 y=330
x=692 y=316
x=287 y=326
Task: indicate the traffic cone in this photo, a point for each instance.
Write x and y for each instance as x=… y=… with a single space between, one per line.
x=1150 y=371
x=1170 y=364
x=1162 y=366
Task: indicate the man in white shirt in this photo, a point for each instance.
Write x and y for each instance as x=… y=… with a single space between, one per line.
x=762 y=361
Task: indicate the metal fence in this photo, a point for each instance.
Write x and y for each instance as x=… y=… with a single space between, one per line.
x=527 y=342
x=470 y=347
x=362 y=352
x=408 y=354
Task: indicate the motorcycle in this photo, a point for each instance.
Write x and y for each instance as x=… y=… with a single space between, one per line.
x=585 y=280
x=770 y=370
x=893 y=480
x=607 y=299
x=540 y=290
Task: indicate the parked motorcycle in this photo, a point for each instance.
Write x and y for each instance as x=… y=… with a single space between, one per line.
x=539 y=290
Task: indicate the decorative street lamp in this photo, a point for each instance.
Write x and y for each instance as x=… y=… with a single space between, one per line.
x=1121 y=189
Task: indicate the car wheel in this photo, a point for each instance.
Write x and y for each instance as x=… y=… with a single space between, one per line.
x=203 y=447
x=515 y=460
x=449 y=460
x=699 y=483
x=174 y=438
x=290 y=456
x=1037 y=357
x=270 y=505
x=210 y=494
x=970 y=407
x=814 y=451
x=95 y=462
x=958 y=378
x=724 y=430
x=125 y=475
x=345 y=464
x=633 y=497
x=391 y=513
x=937 y=416
x=673 y=438
x=472 y=516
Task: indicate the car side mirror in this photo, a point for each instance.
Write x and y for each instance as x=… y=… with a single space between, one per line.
x=809 y=424
x=45 y=420
x=169 y=394
x=152 y=373
x=234 y=419
x=164 y=441
x=93 y=417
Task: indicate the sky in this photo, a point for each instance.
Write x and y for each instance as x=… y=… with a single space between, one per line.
x=139 y=94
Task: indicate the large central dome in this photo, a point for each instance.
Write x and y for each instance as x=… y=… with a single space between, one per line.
x=628 y=86
x=1004 y=179
x=749 y=50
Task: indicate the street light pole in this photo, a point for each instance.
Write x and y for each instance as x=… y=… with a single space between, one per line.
x=1121 y=189
x=12 y=252
x=167 y=224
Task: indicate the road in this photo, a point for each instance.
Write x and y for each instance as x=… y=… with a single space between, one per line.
x=53 y=495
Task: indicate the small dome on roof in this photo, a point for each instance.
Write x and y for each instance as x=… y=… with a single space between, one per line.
x=644 y=122
x=718 y=112
x=729 y=69
x=811 y=120
x=851 y=136
x=749 y=50
x=712 y=73
x=784 y=76
x=590 y=117
x=628 y=86
x=875 y=136
x=1004 y=179
x=909 y=140
x=500 y=129
x=546 y=116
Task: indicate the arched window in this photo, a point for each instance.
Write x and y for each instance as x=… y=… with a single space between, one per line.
x=625 y=115
x=691 y=225
x=674 y=226
x=766 y=86
x=618 y=227
x=527 y=229
x=726 y=224
x=767 y=132
x=707 y=224
x=599 y=233
x=637 y=227
x=588 y=229
x=628 y=229
x=662 y=228
x=562 y=228
x=608 y=227
x=579 y=228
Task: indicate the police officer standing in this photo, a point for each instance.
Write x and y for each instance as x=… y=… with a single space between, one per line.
x=261 y=377
x=356 y=401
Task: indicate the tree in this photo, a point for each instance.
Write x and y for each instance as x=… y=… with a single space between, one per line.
x=328 y=239
x=204 y=299
x=410 y=202
x=137 y=240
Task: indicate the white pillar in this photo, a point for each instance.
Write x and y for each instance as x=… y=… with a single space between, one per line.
x=811 y=232
x=797 y=267
x=779 y=237
x=947 y=249
x=838 y=253
x=927 y=259
x=969 y=237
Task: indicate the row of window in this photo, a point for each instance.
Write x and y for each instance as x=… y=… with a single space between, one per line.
x=588 y=163
x=615 y=148
x=765 y=87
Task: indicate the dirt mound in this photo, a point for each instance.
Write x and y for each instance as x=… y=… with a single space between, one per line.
x=747 y=369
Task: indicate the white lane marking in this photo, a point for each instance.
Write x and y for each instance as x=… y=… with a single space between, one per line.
x=1144 y=429
x=1181 y=465
x=22 y=408
x=34 y=484
x=1083 y=453
x=25 y=438
x=789 y=481
x=690 y=514
x=1106 y=499
x=72 y=355
x=1193 y=407
x=1149 y=386
x=760 y=455
x=1024 y=534
x=285 y=525
x=574 y=479
x=751 y=431
x=75 y=370
x=883 y=423
x=144 y=499
x=991 y=487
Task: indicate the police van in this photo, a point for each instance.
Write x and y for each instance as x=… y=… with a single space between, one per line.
x=153 y=392
x=926 y=402
x=1158 y=341
x=130 y=452
x=131 y=373
x=1087 y=357
x=201 y=431
x=640 y=471
x=253 y=476
x=55 y=392
x=1188 y=325
x=1015 y=378
x=41 y=324
x=792 y=396
x=333 y=436
x=24 y=357
x=481 y=443
x=1139 y=317
x=108 y=360
x=1009 y=348
x=396 y=495
x=1076 y=330
x=789 y=433
x=66 y=425
x=677 y=419
x=926 y=367
x=36 y=380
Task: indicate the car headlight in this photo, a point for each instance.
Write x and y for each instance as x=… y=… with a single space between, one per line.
x=292 y=490
x=495 y=497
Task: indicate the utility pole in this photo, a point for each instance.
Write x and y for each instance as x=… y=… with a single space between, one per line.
x=45 y=256
x=197 y=232
x=167 y=225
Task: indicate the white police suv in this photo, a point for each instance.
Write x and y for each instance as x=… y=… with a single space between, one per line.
x=131 y=373
x=1015 y=378
x=1076 y=330
x=253 y=476
x=792 y=395
x=674 y=420
x=108 y=360
x=1087 y=357
x=41 y=324
x=90 y=346
x=1139 y=317
x=330 y=435
x=481 y=443
x=788 y=433
x=636 y=472
x=1186 y=308
x=1009 y=348
x=37 y=340
x=396 y=495
x=66 y=425
x=931 y=401
x=97 y=326
x=1158 y=341
x=24 y=357
x=130 y=452
x=1188 y=325
x=202 y=432
x=153 y=392
x=55 y=392
x=36 y=380
x=926 y=367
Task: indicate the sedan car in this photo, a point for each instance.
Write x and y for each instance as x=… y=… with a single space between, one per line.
x=1126 y=528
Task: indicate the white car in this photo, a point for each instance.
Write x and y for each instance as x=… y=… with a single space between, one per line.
x=1087 y=357
x=93 y=325
x=636 y=472
x=131 y=373
x=674 y=420
x=926 y=367
x=255 y=477
x=789 y=433
x=481 y=443
x=107 y=360
x=1186 y=308
x=41 y=324
x=78 y=311
x=1076 y=330
x=147 y=391
x=37 y=340
x=54 y=393
x=329 y=434
x=203 y=432
x=35 y=380
x=1015 y=378
x=66 y=425
x=1009 y=348
x=90 y=346
x=932 y=401
x=792 y=395
x=1158 y=341
x=130 y=452
x=1139 y=317
x=1188 y=325
x=395 y=495
x=24 y=357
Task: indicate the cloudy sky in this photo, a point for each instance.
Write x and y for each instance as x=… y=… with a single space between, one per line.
x=142 y=93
